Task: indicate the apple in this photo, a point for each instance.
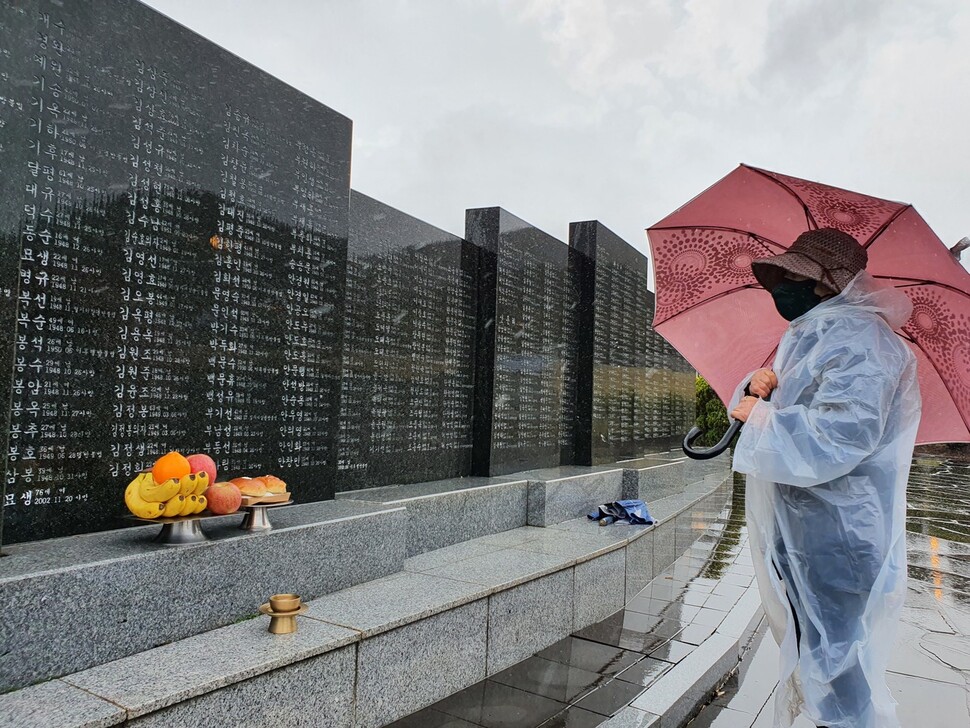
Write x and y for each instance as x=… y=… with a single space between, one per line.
x=223 y=498
x=201 y=461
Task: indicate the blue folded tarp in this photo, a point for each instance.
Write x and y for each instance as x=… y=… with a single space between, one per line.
x=634 y=511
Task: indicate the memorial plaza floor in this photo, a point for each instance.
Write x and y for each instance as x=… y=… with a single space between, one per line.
x=651 y=663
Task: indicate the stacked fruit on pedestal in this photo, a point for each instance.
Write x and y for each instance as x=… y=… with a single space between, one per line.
x=169 y=489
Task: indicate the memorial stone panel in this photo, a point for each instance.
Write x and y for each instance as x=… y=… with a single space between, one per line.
x=614 y=351
x=177 y=222
x=408 y=375
x=524 y=398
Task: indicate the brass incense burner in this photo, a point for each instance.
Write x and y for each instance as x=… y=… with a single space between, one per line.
x=283 y=610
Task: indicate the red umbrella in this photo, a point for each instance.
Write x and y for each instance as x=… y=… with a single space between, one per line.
x=714 y=312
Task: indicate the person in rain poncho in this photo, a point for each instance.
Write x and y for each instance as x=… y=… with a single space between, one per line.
x=827 y=460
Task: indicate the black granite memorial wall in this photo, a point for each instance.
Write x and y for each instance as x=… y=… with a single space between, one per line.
x=613 y=348
x=669 y=404
x=524 y=401
x=174 y=226
x=409 y=342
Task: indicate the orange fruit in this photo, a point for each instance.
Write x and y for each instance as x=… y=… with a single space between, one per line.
x=170 y=465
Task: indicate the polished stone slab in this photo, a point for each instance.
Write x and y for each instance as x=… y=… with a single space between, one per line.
x=611 y=698
x=503 y=569
x=550 y=679
x=173 y=673
x=388 y=603
x=649 y=479
x=528 y=618
x=124 y=606
x=393 y=668
x=318 y=692
x=590 y=656
x=561 y=494
x=630 y=717
x=446 y=512
x=56 y=704
x=599 y=588
x=491 y=704
x=677 y=693
x=640 y=562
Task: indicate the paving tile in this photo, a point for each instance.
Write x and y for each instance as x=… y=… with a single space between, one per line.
x=708 y=617
x=553 y=680
x=673 y=651
x=952 y=650
x=643 y=673
x=718 y=717
x=628 y=630
x=611 y=698
x=908 y=657
x=918 y=698
x=591 y=656
x=721 y=603
x=694 y=634
x=630 y=717
x=493 y=705
x=573 y=717
x=430 y=718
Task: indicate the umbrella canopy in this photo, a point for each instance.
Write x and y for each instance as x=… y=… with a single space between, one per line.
x=712 y=310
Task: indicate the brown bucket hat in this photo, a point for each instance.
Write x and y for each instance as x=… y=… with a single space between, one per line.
x=826 y=255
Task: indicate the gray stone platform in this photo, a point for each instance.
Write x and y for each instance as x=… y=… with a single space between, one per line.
x=99 y=597
x=445 y=512
x=364 y=651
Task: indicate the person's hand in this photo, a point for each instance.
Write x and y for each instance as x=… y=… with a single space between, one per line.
x=762 y=382
x=743 y=410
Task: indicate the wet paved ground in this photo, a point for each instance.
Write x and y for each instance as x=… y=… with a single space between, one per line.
x=583 y=680
x=929 y=673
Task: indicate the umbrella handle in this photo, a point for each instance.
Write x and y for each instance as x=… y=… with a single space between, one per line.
x=711 y=452
x=720 y=447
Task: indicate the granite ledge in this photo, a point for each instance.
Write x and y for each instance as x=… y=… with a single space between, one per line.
x=173 y=673
x=55 y=703
x=397 y=494
x=41 y=558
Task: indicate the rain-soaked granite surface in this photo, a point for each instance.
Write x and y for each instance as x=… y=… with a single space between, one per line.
x=385 y=604
x=313 y=693
x=561 y=494
x=127 y=605
x=56 y=703
x=393 y=668
x=649 y=478
x=191 y=667
x=528 y=618
x=442 y=513
x=600 y=587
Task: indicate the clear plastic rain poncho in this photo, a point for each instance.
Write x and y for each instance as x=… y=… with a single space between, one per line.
x=827 y=460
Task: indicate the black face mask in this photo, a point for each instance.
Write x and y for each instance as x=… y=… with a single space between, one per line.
x=794 y=298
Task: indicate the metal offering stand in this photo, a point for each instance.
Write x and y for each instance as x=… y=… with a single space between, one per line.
x=256 y=518
x=185 y=530
x=178 y=531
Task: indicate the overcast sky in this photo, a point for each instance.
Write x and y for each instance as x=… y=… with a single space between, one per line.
x=622 y=110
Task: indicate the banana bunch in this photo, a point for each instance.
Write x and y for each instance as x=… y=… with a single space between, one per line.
x=175 y=497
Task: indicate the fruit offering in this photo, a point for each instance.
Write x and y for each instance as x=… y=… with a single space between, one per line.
x=169 y=489
x=224 y=498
